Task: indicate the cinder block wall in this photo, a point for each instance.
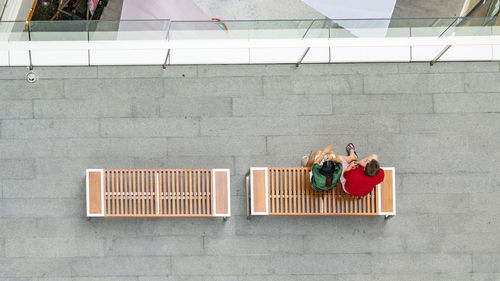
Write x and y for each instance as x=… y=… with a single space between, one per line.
x=439 y=126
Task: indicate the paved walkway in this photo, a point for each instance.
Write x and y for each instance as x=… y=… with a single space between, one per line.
x=437 y=125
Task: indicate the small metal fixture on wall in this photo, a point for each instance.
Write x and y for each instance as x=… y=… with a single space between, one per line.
x=31 y=76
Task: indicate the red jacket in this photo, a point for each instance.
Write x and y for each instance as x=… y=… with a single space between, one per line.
x=359 y=184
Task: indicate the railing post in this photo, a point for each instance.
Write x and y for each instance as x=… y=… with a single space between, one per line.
x=303 y=36
x=31 y=62
x=446 y=48
x=3 y=9
x=308 y=48
x=302 y=57
x=164 y=66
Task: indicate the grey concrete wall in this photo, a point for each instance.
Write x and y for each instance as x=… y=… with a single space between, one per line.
x=437 y=125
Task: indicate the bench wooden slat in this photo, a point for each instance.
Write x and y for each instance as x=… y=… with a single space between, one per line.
x=198 y=194
x=144 y=191
x=298 y=192
x=121 y=200
x=177 y=199
x=203 y=193
x=151 y=191
x=108 y=192
x=208 y=188
x=115 y=193
x=140 y=191
x=192 y=199
x=271 y=189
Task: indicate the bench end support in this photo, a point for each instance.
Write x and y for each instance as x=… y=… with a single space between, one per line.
x=221 y=192
x=95 y=192
x=259 y=190
x=386 y=193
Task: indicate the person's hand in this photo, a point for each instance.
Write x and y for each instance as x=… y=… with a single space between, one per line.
x=352 y=165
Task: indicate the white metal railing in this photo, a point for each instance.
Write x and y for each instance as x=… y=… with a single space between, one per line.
x=164 y=42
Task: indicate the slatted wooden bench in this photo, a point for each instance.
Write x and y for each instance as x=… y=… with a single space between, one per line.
x=286 y=192
x=158 y=193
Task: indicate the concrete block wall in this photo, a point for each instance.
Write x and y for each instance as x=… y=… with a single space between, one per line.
x=437 y=125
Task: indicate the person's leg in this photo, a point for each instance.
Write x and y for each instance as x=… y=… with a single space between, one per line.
x=352 y=157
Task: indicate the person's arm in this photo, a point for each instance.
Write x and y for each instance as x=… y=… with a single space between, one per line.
x=365 y=160
x=312 y=158
x=327 y=150
x=337 y=159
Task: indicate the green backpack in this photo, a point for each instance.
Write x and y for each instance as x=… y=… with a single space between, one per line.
x=318 y=180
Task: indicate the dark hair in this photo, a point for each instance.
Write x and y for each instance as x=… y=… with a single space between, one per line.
x=327 y=169
x=372 y=168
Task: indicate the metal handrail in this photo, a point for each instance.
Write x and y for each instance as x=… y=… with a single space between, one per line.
x=3 y=9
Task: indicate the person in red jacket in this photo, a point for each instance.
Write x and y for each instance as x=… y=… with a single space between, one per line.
x=360 y=177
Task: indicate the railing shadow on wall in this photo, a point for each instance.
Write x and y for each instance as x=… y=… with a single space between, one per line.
x=164 y=42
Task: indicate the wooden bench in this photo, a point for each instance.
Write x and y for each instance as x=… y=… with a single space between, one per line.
x=286 y=192
x=158 y=193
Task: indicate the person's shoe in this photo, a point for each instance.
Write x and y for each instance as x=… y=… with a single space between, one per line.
x=304 y=160
x=350 y=146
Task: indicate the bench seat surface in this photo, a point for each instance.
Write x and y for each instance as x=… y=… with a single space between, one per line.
x=158 y=193
x=286 y=191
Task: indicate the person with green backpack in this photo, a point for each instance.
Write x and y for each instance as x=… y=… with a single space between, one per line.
x=326 y=169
